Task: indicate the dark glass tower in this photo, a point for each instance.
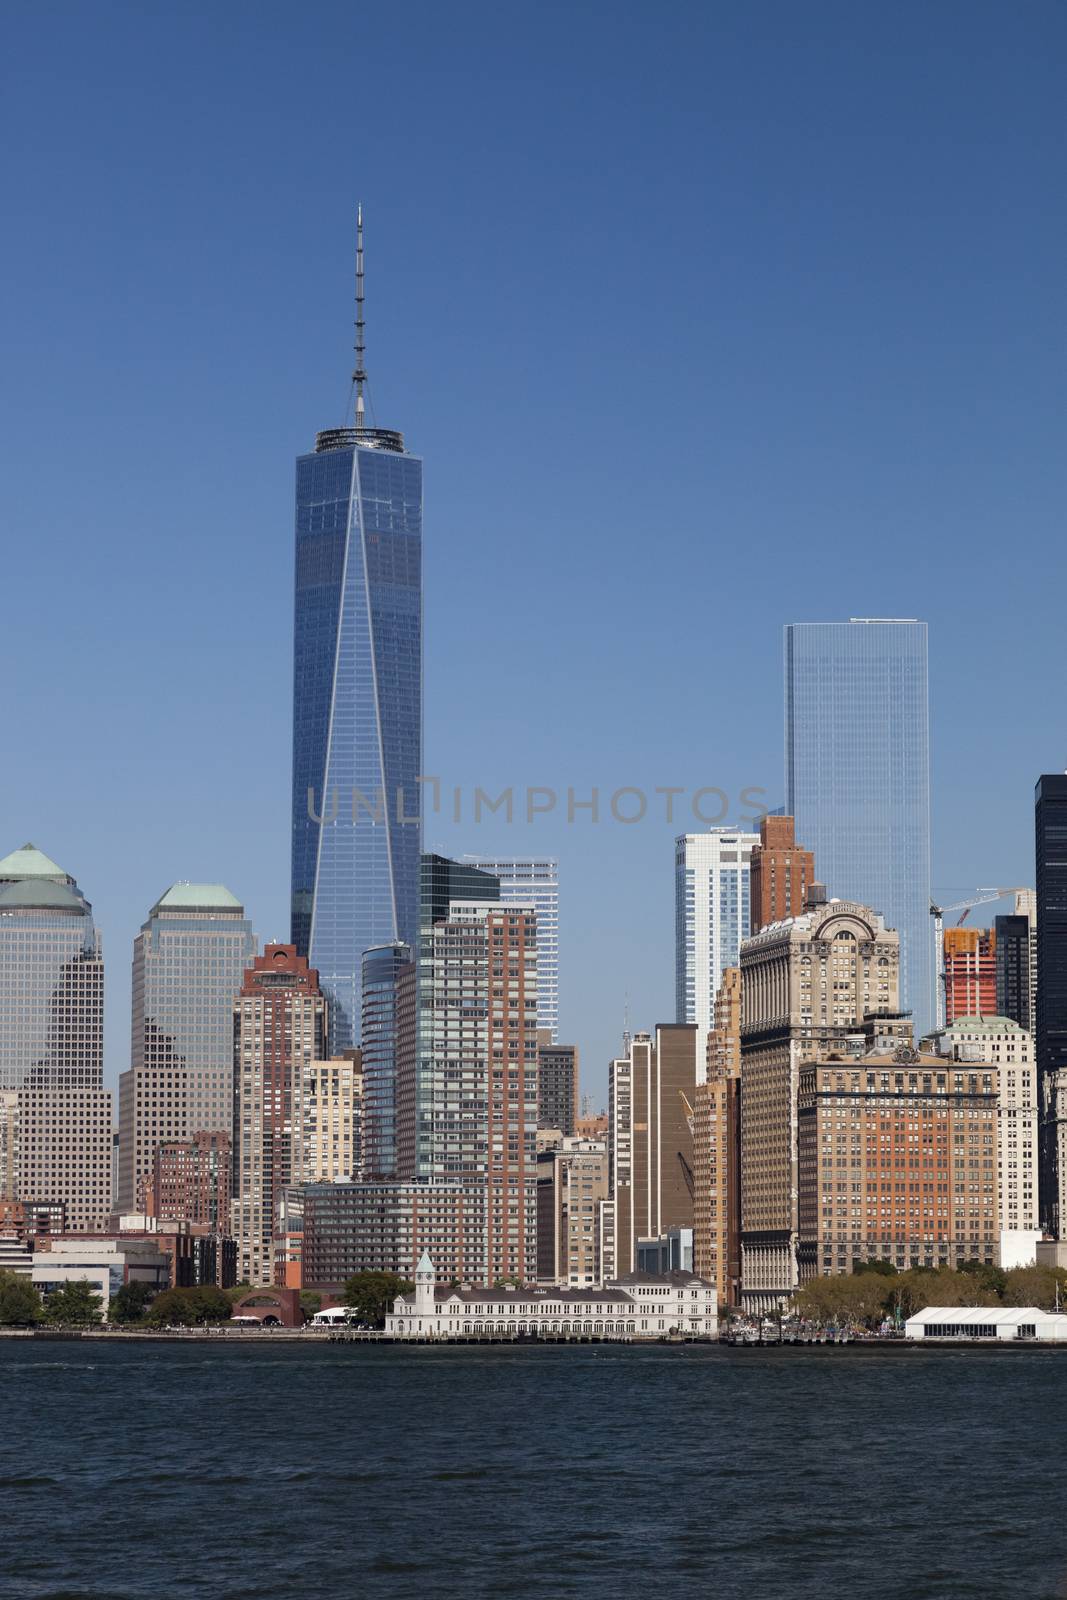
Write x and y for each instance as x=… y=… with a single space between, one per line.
x=1012 y=938
x=1050 y=839
x=357 y=700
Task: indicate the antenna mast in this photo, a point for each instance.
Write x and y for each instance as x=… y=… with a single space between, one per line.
x=359 y=376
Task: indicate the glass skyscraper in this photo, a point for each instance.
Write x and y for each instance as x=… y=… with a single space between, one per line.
x=357 y=703
x=534 y=881
x=712 y=914
x=857 y=770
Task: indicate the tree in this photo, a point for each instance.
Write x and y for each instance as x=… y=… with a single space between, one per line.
x=190 y=1308
x=74 y=1305
x=989 y=1277
x=371 y=1294
x=857 y=1298
x=875 y=1264
x=1035 y=1286
x=20 y=1303
x=131 y=1302
x=310 y=1302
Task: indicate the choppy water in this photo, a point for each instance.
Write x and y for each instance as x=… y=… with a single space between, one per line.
x=241 y=1473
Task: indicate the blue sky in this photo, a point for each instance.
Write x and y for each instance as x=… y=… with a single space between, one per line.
x=704 y=319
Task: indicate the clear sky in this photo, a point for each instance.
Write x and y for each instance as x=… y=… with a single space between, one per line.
x=705 y=318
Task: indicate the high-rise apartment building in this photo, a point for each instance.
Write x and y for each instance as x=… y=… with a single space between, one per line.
x=1050 y=839
x=807 y=985
x=572 y=1184
x=534 y=881
x=52 y=1040
x=382 y=967
x=357 y=700
x=385 y=1227
x=896 y=1160
x=857 y=769
x=782 y=873
x=1016 y=961
x=712 y=898
x=717 y=1149
x=189 y=960
x=333 y=1094
x=470 y=1086
x=557 y=1083
x=191 y=1182
x=280 y=1019
x=970 y=975
x=650 y=1139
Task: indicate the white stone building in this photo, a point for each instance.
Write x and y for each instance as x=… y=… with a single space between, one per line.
x=640 y=1306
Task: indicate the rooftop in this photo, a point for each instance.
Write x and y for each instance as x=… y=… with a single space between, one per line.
x=29 y=862
x=184 y=896
x=41 y=894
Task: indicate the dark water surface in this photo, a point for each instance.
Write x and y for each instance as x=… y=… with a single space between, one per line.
x=246 y=1473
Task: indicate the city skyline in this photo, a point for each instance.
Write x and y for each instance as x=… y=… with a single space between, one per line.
x=813 y=405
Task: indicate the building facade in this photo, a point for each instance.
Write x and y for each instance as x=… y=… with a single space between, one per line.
x=280 y=1022
x=1016 y=963
x=858 y=776
x=807 y=984
x=970 y=974
x=192 y=1182
x=189 y=960
x=712 y=908
x=717 y=1149
x=650 y=1122
x=52 y=1042
x=332 y=1096
x=385 y=1227
x=897 y=1161
x=782 y=873
x=357 y=703
x=557 y=1081
x=1050 y=841
x=534 y=881
x=572 y=1184
x=1002 y=1043
x=382 y=968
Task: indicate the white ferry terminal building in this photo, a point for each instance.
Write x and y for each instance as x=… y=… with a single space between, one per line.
x=642 y=1305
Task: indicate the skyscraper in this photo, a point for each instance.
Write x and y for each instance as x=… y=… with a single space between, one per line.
x=534 y=881
x=1050 y=838
x=970 y=973
x=52 y=1040
x=857 y=768
x=1015 y=960
x=782 y=873
x=711 y=917
x=357 y=699
x=188 y=963
x=279 y=1030
x=650 y=1140
x=382 y=967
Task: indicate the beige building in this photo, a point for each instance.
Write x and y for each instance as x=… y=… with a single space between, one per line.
x=650 y=1122
x=1001 y=1043
x=572 y=1184
x=806 y=985
x=9 y=1144
x=332 y=1094
x=897 y=1160
x=717 y=1149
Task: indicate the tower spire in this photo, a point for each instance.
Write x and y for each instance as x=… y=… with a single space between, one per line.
x=359 y=375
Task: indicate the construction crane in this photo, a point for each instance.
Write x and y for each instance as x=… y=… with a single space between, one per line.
x=981 y=897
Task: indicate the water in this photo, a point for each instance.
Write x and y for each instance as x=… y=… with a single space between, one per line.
x=131 y=1472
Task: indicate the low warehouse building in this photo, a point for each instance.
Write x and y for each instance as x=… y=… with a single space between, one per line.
x=986 y=1322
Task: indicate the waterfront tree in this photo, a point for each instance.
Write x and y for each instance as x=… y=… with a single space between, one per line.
x=190 y=1308
x=131 y=1302
x=371 y=1294
x=74 y=1305
x=20 y=1303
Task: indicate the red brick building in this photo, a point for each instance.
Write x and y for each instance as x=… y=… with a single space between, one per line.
x=970 y=973
x=781 y=873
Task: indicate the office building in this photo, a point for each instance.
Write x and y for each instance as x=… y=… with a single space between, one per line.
x=782 y=873
x=970 y=973
x=382 y=967
x=711 y=917
x=280 y=1022
x=385 y=1227
x=806 y=986
x=717 y=1149
x=1050 y=841
x=572 y=1183
x=897 y=1161
x=650 y=1107
x=10 y=1144
x=1016 y=961
x=858 y=777
x=442 y=880
x=534 y=881
x=557 y=1082
x=357 y=700
x=52 y=1041
x=189 y=960
x=333 y=1097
